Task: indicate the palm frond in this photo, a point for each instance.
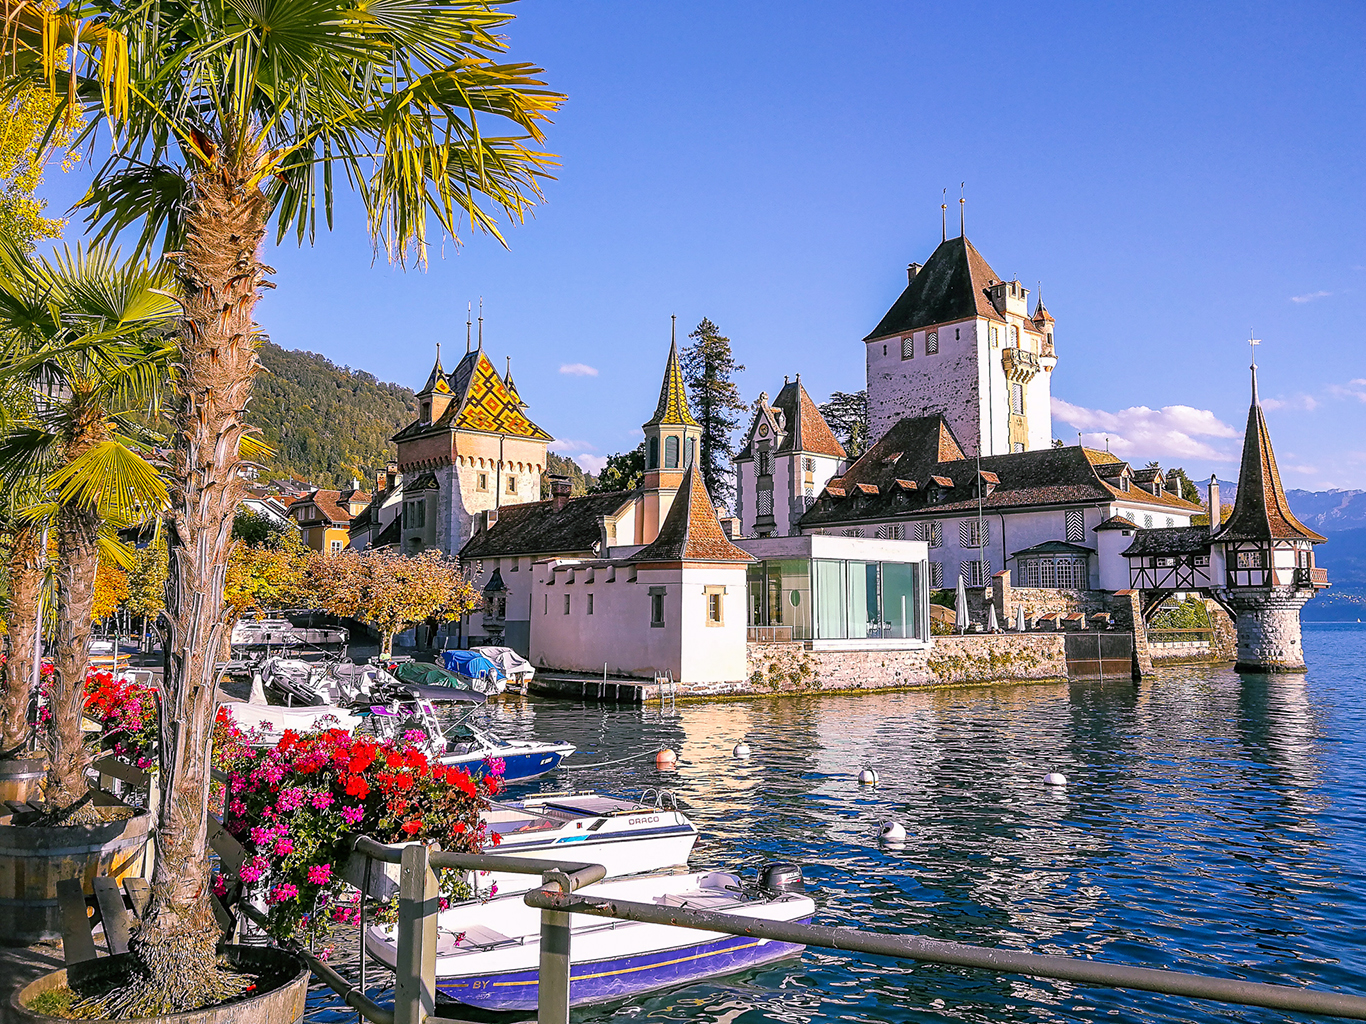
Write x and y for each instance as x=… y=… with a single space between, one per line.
x=122 y=485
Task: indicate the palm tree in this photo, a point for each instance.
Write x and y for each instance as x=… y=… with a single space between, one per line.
x=90 y=339
x=227 y=117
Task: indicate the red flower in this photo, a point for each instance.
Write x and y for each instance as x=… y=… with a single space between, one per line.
x=413 y=826
x=361 y=760
x=357 y=786
x=393 y=760
x=415 y=758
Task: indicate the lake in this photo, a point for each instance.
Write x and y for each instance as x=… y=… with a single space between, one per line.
x=1211 y=823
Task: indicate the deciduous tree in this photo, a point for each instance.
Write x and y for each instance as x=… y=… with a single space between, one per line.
x=623 y=471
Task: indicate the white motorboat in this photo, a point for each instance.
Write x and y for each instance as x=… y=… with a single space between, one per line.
x=267 y=723
x=625 y=836
x=487 y=954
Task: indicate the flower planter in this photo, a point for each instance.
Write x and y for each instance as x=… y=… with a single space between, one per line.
x=21 y=778
x=285 y=989
x=34 y=860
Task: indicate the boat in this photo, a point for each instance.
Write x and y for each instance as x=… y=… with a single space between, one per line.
x=346 y=684
x=421 y=674
x=624 y=835
x=266 y=724
x=488 y=954
x=517 y=669
x=261 y=635
x=478 y=672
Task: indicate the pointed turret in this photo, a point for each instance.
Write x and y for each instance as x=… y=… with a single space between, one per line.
x=672 y=441
x=691 y=531
x=672 y=410
x=1260 y=509
x=435 y=394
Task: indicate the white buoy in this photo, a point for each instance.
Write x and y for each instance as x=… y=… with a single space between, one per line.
x=1055 y=779
x=892 y=832
x=867 y=777
x=741 y=750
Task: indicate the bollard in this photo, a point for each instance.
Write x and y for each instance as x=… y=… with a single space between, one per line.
x=552 y=995
x=415 y=971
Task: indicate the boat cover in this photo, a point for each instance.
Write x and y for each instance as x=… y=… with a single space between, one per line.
x=512 y=663
x=443 y=693
x=471 y=665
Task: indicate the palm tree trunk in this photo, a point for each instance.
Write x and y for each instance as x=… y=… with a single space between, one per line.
x=220 y=276
x=25 y=591
x=78 y=559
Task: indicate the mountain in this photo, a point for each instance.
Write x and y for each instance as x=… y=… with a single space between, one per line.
x=1329 y=511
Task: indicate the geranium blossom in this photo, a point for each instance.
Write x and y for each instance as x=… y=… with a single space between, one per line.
x=319 y=874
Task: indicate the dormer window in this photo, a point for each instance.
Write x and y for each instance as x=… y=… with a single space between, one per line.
x=426 y=412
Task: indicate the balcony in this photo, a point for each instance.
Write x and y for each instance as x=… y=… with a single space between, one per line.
x=1020 y=364
x=1315 y=577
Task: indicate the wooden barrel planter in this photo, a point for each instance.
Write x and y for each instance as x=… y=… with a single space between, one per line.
x=280 y=999
x=21 y=778
x=34 y=860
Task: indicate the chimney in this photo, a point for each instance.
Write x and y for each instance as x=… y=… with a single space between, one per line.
x=912 y=269
x=559 y=492
x=1214 y=506
x=379 y=482
x=355 y=484
x=390 y=476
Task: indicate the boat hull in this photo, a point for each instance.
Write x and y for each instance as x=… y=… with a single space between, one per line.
x=622 y=853
x=602 y=981
x=519 y=766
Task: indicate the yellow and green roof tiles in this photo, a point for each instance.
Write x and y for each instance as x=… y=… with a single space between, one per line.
x=673 y=397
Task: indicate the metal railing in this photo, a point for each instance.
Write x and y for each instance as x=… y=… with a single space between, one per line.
x=416 y=935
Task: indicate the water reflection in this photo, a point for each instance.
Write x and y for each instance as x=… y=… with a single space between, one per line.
x=1211 y=823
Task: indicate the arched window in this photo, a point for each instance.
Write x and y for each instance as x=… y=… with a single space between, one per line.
x=654 y=454
x=690 y=452
x=671 y=452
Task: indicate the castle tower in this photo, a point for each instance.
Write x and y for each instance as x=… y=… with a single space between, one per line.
x=960 y=342
x=785 y=460
x=435 y=395
x=1267 y=555
x=672 y=439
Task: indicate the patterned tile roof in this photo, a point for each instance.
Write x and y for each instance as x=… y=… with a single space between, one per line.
x=673 y=396
x=691 y=531
x=1260 y=510
x=436 y=380
x=483 y=401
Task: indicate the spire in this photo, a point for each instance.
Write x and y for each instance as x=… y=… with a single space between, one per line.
x=1260 y=508
x=512 y=388
x=1252 y=344
x=691 y=532
x=1041 y=313
x=944 y=215
x=961 y=204
x=436 y=380
x=672 y=409
x=481 y=323
x=469 y=322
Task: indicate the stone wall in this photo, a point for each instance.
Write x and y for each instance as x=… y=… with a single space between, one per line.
x=1040 y=600
x=1268 y=627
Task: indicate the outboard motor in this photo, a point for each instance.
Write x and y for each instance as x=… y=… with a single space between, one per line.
x=781 y=878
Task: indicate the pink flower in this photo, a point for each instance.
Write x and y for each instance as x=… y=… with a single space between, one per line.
x=260 y=836
x=238 y=807
x=415 y=736
x=291 y=799
x=284 y=846
x=252 y=870
x=322 y=801
x=283 y=893
x=220 y=887
x=320 y=874
x=352 y=815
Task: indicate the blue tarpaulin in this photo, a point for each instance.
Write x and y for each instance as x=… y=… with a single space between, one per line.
x=471 y=665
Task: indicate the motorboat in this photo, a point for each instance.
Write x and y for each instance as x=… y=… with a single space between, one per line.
x=488 y=954
x=624 y=835
x=266 y=724
x=517 y=669
x=423 y=674
x=261 y=635
x=346 y=684
x=477 y=672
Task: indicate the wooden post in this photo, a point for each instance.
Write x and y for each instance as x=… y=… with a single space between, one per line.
x=415 y=971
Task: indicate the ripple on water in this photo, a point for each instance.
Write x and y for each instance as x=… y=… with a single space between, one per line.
x=1211 y=823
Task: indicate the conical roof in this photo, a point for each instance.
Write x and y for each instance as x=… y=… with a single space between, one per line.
x=1260 y=510
x=951 y=286
x=1041 y=313
x=436 y=380
x=806 y=429
x=672 y=410
x=691 y=531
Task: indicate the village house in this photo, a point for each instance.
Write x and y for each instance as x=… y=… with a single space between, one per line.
x=324 y=517
x=378 y=525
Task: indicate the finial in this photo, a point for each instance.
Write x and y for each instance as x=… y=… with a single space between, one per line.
x=944 y=214
x=673 y=328
x=786 y=380
x=438 y=351
x=961 y=203
x=1252 y=344
x=509 y=372
x=469 y=322
x=481 y=323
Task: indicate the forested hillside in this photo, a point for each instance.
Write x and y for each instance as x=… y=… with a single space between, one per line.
x=327 y=423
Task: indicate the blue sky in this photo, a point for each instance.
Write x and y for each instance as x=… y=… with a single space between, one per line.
x=1175 y=175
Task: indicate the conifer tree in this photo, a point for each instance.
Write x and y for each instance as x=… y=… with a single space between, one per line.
x=847 y=416
x=709 y=367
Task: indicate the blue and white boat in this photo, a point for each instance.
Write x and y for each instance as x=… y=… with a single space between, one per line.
x=488 y=954
x=478 y=752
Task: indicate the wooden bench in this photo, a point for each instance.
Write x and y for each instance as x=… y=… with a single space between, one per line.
x=115 y=911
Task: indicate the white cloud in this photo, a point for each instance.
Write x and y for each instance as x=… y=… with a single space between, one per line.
x=1308 y=403
x=563 y=446
x=1354 y=389
x=579 y=370
x=1309 y=297
x=1145 y=433
x=592 y=463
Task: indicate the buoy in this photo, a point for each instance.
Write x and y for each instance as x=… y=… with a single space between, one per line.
x=741 y=750
x=666 y=758
x=867 y=777
x=892 y=832
x=1055 y=779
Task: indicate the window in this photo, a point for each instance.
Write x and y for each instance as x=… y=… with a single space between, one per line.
x=1171 y=521
x=1014 y=336
x=715 y=605
x=1249 y=559
x=590 y=604
x=1147 y=522
x=690 y=452
x=937 y=575
x=908 y=347
x=931 y=533
x=765 y=462
x=426 y=411
x=653 y=462
x=855 y=532
x=973 y=533
x=955 y=333
x=512 y=484
x=1076 y=525
x=545 y=608
x=1017 y=399
x=932 y=343
x=892 y=531
x=671 y=452
x=1016 y=447
x=1201 y=561
x=566 y=604
x=765 y=502
x=657 y=606
x=858 y=600
x=808 y=465
x=483 y=482
x=516 y=564
x=974 y=574
x=995 y=337
x=336 y=547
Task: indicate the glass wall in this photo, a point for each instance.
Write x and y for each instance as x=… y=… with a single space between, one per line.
x=867 y=600
x=780 y=595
